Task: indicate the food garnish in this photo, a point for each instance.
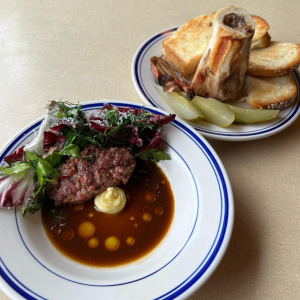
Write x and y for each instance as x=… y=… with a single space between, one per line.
x=69 y=145
x=212 y=110
x=111 y=201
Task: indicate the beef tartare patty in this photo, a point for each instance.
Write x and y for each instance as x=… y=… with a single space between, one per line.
x=96 y=170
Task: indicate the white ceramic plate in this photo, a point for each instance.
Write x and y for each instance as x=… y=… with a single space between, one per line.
x=31 y=268
x=143 y=81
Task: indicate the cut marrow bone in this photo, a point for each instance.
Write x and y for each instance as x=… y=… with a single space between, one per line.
x=221 y=70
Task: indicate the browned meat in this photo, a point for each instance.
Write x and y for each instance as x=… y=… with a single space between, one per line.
x=82 y=179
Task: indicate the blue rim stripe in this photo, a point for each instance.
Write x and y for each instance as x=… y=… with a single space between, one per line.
x=216 y=168
x=7 y=150
x=221 y=238
x=138 y=77
x=17 y=289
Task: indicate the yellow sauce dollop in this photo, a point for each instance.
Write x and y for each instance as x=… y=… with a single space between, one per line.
x=111 y=201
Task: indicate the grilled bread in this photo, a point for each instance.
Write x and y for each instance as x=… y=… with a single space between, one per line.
x=276 y=60
x=262 y=42
x=270 y=93
x=185 y=47
x=261 y=37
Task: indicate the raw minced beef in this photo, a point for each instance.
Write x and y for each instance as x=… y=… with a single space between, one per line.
x=96 y=170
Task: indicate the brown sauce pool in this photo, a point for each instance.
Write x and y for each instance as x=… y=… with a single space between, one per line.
x=90 y=237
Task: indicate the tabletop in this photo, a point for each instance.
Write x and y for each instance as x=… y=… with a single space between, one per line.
x=82 y=50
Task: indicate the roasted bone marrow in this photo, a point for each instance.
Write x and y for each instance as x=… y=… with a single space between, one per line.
x=221 y=71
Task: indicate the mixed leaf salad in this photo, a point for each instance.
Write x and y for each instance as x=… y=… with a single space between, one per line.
x=66 y=130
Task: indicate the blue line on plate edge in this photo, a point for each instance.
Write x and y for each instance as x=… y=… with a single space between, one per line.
x=11 y=283
x=216 y=250
x=23 y=134
x=144 y=91
x=296 y=105
x=198 y=275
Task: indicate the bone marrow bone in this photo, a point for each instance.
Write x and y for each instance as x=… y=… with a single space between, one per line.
x=233 y=20
x=221 y=70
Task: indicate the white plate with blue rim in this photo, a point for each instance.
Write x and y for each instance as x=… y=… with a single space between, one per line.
x=143 y=81
x=31 y=268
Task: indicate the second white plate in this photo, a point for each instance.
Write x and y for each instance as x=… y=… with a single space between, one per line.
x=143 y=81
x=31 y=268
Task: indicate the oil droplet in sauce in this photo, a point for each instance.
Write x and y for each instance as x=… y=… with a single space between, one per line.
x=135 y=225
x=93 y=242
x=162 y=182
x=55 y=229
x=67 y=234
x=130 y=240
x=147 y=217
x=91 y=215
x=86 y=229
x=150 y=196
x=154 y=186
x=112 y=243
x=158 y=210
x=131 y=218
x=77 y=207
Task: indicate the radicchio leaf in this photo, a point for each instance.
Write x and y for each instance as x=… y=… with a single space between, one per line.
x=162 y=119
x=155 y=143
x=17 y=188
x=53 y=139
x=16 y=156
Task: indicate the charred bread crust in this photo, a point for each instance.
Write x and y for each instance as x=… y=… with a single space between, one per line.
x=259 y=71
x=277 y=106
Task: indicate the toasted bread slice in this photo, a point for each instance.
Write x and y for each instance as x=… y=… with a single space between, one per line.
x=261 y=38
x=276 y=60
x=262 y=42
x=185 y=47
x=270 y=93
x=261 y=27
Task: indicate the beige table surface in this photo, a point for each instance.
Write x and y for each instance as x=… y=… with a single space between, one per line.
x=82 y=50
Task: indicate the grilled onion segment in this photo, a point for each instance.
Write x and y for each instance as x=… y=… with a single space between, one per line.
x=169 y=78
x=221 y=70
